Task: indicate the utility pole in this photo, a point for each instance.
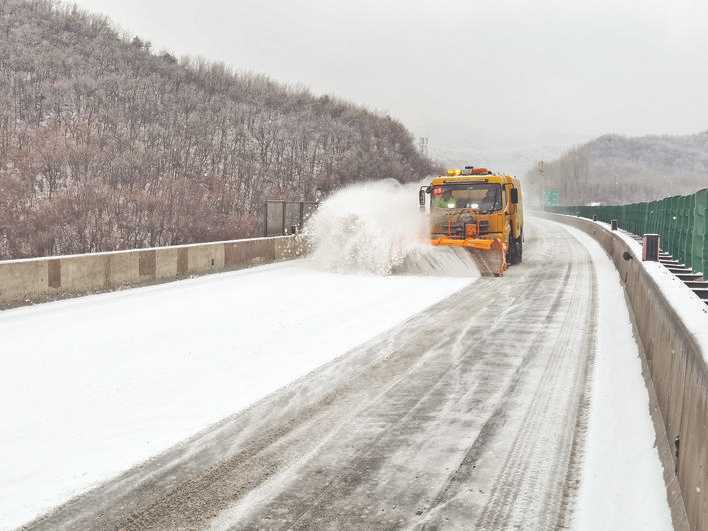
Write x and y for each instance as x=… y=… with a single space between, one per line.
x=542 y=182
x=423 y=145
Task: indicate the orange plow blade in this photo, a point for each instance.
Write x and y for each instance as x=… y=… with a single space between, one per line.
x=490 y=255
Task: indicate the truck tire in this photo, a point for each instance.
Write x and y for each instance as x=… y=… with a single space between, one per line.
x=521 y=249
x=516 y=250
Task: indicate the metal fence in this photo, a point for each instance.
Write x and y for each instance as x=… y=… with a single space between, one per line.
x=286 y=217
x=682 y=222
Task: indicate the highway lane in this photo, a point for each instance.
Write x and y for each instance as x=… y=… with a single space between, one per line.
x=468 y=415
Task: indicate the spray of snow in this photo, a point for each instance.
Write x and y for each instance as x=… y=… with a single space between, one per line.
x=377 y=228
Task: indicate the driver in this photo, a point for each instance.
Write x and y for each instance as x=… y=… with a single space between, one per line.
x=489 y=201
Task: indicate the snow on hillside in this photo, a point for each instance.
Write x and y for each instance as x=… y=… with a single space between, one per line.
x=616 y=169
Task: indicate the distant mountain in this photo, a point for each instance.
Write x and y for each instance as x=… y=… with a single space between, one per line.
x=513 y=158
x=618 y=169
x=105 y=144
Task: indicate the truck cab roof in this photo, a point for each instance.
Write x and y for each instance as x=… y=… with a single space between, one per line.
x=493 y=178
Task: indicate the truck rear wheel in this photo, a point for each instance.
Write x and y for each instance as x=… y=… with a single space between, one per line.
x=516 y=249
x=521 y=250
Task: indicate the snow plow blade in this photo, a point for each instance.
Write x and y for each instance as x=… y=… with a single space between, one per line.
x=489 y=255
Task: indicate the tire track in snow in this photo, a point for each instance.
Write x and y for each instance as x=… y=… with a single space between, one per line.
x=464 y=413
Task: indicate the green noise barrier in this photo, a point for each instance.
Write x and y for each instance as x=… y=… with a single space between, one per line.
x=682 y=222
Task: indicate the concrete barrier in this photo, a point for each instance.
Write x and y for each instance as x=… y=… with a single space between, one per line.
x=679 y=379
x=41 y=279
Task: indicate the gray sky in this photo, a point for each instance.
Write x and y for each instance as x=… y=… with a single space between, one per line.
x=503 y=82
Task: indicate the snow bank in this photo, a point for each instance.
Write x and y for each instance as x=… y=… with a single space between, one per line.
x=622 y=485
x=98 y=384
x=377 y=228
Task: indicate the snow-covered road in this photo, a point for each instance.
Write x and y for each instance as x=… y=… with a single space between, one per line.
x=476 y=412
x=621 y=472
x=93 y=386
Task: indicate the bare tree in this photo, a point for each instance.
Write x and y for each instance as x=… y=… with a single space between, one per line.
x=105 y=145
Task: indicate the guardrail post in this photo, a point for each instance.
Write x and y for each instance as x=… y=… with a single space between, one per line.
x=650 y=248
x=265 y=220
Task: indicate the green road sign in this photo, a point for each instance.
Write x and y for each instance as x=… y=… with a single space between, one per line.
x=551 y=198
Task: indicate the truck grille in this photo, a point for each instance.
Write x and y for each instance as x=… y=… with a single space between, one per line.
x=457 y=230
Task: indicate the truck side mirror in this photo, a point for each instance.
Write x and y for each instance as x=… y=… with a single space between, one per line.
x=514 y=196
x=421 y=198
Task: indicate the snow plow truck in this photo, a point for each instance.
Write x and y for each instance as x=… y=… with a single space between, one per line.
x=478 y=210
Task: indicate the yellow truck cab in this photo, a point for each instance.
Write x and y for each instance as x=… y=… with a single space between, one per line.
x=478 y=210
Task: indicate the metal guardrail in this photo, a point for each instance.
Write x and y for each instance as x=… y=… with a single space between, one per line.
x=286 y=217
x=682 y=222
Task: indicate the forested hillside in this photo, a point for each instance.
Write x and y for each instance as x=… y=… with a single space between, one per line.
x=615 y=169
x=106 y=144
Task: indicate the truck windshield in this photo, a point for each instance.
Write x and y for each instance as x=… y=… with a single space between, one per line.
x=484 y=197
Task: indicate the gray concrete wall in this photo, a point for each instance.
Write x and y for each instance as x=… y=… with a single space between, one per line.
x=678 y=373
x=41 y=279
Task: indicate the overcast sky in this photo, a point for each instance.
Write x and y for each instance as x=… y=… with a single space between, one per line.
x=504 y=80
